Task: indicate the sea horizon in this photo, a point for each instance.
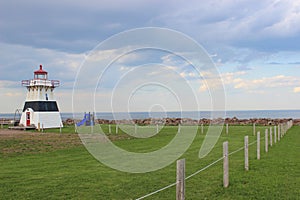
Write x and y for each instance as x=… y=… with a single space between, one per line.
x=240 y=114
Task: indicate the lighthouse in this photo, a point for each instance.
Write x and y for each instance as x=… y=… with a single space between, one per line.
x=40 y=107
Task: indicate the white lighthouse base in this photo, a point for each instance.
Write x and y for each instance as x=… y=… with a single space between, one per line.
x=45 y=119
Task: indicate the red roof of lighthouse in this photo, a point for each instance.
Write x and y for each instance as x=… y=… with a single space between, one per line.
x=40 y=71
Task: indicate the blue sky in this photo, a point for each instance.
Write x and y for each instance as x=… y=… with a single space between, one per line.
x=254 y=45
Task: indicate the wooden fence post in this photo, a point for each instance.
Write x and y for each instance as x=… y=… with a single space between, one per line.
x=179 y=127
x=135 y=128
x=75 y=128
x=180 y=179
x=266 y=140
x=279 y=128
x=285 y=128
x=254 y=129
x=117 y=128
x=271 y=138
x=109 y=128
x=246 y=148
x=279 y=133
x=227 y=128
x=290 y=124
x=258 y=146
x=275 y=135
x=157 y=130
x=202 y=129
x=225 y=165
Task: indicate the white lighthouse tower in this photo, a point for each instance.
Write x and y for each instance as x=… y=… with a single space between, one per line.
x=40 y=108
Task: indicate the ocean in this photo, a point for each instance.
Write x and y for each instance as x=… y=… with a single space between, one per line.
x=241 y=114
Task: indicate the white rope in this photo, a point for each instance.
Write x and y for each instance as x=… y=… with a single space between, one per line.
x=195 y=173
x=204 y=168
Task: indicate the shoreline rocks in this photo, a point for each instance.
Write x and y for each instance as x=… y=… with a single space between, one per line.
x=188 y=121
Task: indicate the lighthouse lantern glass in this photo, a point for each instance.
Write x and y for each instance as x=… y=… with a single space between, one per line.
x=40 y=76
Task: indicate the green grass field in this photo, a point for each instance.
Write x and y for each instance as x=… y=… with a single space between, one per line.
x=57 y=166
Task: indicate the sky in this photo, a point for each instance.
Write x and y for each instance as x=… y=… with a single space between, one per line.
x=254 y=46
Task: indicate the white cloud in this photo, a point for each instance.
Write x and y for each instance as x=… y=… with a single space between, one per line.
x=203 y=88
x=123 y=68
x=239 y=81
x=278 y=81
x=213 y=82
x=287 y=25
x=297 y=89
x=9 y=84
x=12 y=99
x=261 y=84
x=13 y=94
x=189 y=75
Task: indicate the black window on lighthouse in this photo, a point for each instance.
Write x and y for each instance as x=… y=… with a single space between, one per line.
x=41 y=106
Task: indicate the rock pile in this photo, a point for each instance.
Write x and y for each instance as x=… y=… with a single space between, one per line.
x=188 y=121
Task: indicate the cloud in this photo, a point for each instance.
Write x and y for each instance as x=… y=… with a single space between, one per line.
x=286 y=25
x=190 y=75
x=279 y=81
x=243 y=68
x=10 y=94
x=127 y=55
x=18 y=63
x=275 y=63
x=213 y=82
x=243 y=23
x=240 y=57
x=9 y=84
x=238 y=81
x=294 y=63
x=297 y=89
x=283 y=63
x=71 y=27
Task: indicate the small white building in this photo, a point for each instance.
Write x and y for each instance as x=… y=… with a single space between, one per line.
x=40 y=106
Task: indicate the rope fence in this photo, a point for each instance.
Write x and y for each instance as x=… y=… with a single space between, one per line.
x=282 y=129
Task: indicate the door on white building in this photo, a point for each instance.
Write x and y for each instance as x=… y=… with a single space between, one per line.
x=27 y=118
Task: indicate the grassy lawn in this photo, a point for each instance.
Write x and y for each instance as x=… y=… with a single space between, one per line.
x=57 y=166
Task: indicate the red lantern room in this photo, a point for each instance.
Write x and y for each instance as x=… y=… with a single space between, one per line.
x=40 y=79
x=40 y=74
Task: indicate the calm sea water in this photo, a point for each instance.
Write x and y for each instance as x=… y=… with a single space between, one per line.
x=295 y=114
